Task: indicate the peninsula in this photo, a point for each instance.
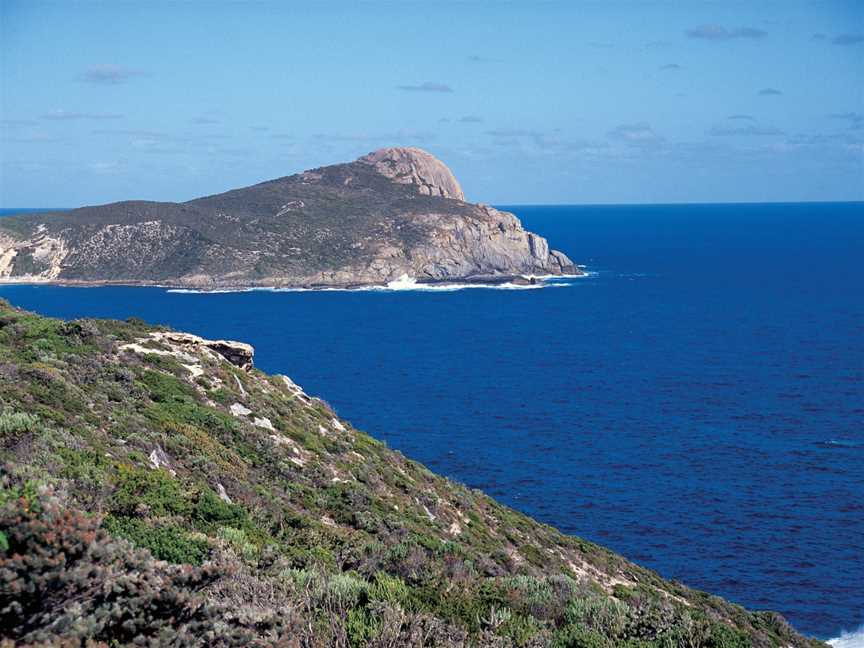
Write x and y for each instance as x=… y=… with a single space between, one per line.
x=394 y=213
x=157 y=489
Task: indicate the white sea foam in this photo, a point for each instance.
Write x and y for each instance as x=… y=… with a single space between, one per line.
x=190 y=291
x=402 y=284
x=854 y=639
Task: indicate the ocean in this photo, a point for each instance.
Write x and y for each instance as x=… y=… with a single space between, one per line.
x=696 y=403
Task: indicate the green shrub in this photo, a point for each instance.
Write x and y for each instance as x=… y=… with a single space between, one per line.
x=607 y=616
x=165 y=388
x=530 y=595
x=390 y=589
x=238 y=540
x=725 y=637
x=16 y=423
x=153 y=489
x=63 y=581
x=86 y=466
x=166 y=542
x=211 y=509
x=576 y=636
x=360 y=627
x=344 y=591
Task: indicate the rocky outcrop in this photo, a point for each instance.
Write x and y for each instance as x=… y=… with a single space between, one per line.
x=416 y=167
x=239 y=354
x=394 y=213
x=187 y=348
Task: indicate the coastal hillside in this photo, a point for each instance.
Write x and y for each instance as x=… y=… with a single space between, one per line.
x=395 y=212
x=156 y=488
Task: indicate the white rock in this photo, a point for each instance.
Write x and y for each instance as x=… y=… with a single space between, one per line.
x=239 y=410
x=220 y=489
x=158 y=459
x=264 y=422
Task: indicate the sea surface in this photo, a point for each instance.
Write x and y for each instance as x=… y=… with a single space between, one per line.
x=696 y=403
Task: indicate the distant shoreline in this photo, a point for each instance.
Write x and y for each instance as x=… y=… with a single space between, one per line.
x=521 y=281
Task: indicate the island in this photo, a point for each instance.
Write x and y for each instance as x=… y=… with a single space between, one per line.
x=397 y=214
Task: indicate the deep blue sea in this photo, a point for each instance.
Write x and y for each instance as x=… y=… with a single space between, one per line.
x=696 y=404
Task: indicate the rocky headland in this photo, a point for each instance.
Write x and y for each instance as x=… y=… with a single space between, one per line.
x=156 y=489
x=394 y=213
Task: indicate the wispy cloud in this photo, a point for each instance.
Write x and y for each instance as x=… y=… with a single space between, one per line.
x=818 y=36
x=482 y=59
x=105 y=167
x=750 y=131
x=148 y=141
x=670 y=66
x=471 y=119
x=640 y=134
x=159 y=142
x=205 y=121
x=513 y=132
x=60 y=115
x=426 y=86
x=134 y=132
x=535 y=141
x=109 y=74
x=848 y=39
x=742 y=117
x=720 y=33
x=36 y=137
x=398 y=136
x=17 y=122
x=769 y=92
x=854 y=119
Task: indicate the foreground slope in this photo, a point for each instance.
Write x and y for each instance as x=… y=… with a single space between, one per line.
x=394 y=212
x=260 y=517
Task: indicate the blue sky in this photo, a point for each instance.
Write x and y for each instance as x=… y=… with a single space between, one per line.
x=606 y=102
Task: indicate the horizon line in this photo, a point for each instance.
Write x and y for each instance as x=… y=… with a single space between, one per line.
x=682 y=203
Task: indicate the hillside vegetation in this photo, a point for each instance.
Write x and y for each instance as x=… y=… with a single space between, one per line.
x=154 y=492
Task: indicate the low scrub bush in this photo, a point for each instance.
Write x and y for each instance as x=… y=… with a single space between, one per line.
x=17 y=423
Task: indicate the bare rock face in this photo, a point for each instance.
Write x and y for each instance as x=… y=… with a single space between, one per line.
x=417 y=167
x=186 y=347
x=239 y=354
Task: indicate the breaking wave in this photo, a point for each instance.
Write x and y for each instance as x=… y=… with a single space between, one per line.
x=839 y=443
x=405 y=284
x=854 y=639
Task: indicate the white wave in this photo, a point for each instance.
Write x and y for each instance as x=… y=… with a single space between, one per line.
x=552 y=277
x=854 y=639
x=404 y=283
x=190 y=291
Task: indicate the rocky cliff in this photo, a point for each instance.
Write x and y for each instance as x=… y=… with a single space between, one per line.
x=158 y=490
x=394 y=212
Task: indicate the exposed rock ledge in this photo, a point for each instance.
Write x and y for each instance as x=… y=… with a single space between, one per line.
x=237 y=353
x=187 y=347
